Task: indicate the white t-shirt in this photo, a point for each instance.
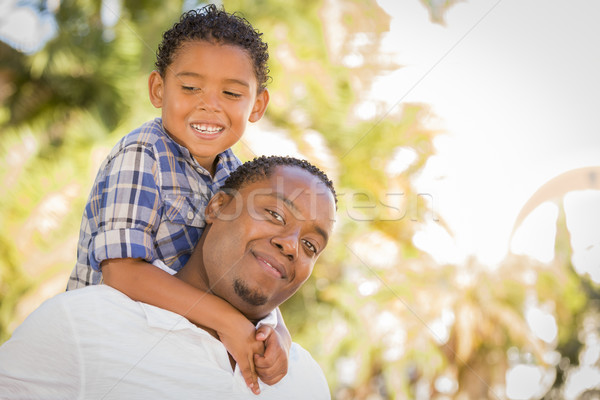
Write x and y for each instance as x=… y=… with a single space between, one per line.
x=97 y=343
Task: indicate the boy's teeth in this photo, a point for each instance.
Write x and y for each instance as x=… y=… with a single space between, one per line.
x=204 y=128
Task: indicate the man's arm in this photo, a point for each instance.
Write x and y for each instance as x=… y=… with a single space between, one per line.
x=41 y=360
x=144 y=282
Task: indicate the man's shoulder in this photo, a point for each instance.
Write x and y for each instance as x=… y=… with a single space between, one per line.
x=73 y=307
x=79 y=300
x=304 y=368
x=300 y=355
x=93 y=291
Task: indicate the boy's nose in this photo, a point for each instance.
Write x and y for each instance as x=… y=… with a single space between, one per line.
x=208 y=100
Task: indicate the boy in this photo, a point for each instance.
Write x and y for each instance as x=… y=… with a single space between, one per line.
x=147 y=202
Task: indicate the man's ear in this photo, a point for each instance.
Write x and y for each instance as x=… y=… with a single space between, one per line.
x=215 y=205
x=260 y=106
x=156 y=87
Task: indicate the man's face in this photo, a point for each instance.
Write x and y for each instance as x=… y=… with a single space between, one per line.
x=208 y=94
x=262 y=243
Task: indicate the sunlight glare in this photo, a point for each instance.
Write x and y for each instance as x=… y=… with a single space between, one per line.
x=378 y=249
x=583 y=222
x=347 y=370
x=110 y=12
x=581 y=379
x=535 y=237
x=522 y=381
x=262 y=138
x=25 y=29
x=542 y=324
x=435 y=240
x=402 y=159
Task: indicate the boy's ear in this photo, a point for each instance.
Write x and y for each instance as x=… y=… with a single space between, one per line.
x=260 y=106
x=215 y=205
x=155 y=89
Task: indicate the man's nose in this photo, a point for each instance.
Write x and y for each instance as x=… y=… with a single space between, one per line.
x=287 y=243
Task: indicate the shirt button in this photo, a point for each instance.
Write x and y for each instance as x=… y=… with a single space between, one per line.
x=190 y=215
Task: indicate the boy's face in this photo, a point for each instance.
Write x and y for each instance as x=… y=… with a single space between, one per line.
x=208 y=94
x=261 y=244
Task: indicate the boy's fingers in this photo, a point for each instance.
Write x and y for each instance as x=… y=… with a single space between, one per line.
x=249 y=373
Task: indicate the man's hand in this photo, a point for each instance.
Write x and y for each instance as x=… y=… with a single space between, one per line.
x=273 y=365
x=242 y=346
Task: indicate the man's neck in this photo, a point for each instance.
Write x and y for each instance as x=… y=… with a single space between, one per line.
x=194 y=274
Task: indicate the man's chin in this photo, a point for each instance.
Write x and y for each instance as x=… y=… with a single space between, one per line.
x=254 y=297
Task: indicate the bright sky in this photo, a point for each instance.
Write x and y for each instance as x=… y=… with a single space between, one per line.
x=22 y=27
x=515 y=84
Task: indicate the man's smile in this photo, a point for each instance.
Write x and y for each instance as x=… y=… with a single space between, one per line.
x=271 y=266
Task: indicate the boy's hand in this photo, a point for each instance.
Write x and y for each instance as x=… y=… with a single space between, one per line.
x=242 y=346
x=273 y=365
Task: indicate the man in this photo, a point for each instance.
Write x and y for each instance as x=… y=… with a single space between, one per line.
x=264 y=232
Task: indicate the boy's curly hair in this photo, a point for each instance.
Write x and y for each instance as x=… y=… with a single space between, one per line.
x=262 y=168
x=215 y=25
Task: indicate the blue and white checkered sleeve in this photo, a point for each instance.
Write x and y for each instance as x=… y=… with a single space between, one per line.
x=125 y=206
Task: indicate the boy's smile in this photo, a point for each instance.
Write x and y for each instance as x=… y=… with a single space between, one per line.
x=207 y=95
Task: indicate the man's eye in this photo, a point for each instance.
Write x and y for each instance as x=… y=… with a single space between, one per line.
x=310 y=246
x=276 y=216
x=234 y=95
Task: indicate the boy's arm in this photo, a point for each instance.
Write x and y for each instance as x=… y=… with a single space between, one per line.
x=144 y=282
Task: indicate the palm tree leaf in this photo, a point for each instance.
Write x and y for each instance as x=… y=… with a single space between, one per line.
x=576 y=179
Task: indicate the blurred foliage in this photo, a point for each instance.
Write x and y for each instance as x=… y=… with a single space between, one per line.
x=383 y=319
x=437 y=8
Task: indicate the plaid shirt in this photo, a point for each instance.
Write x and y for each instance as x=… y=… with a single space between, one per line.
x=147 y=202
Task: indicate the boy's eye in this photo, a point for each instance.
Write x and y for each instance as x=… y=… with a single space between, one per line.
x=190 y=88
x=276 y=216
x=231 y=94
x=310 y=246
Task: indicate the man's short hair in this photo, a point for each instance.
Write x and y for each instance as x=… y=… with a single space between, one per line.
x=216 y=26
x=262 y=167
